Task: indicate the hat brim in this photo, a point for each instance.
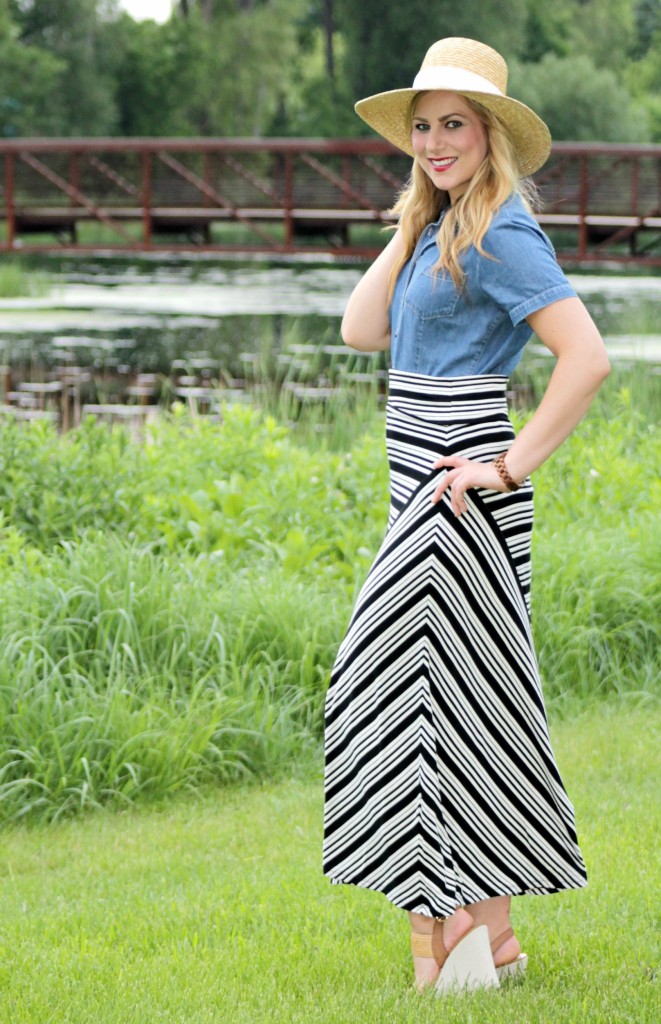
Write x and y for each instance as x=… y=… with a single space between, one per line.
x=387 y=114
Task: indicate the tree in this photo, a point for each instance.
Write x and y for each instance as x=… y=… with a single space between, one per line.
x=158 y=76
x=71 y=31
x=29 y=78
x=244 y=65
x=256 y=67
x=647 y=18
x=644 y=79
x=315 y=98
x=548 y=30
x=578 y=101
x=385 y=43
x=604 y=30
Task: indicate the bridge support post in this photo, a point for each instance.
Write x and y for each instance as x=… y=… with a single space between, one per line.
x=583 y=207
x=146 y=199
x=9 y=200
x=289 y=202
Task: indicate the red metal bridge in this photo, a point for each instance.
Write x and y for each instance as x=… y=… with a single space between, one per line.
x=602 y=202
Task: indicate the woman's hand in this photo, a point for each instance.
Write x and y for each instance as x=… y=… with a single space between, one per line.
x=463 y=474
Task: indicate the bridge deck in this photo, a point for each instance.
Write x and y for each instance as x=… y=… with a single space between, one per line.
x=601 y=202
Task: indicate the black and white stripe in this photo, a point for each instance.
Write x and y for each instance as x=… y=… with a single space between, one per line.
x=441 y=786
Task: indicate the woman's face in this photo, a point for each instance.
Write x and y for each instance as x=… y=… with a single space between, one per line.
x=449 y=140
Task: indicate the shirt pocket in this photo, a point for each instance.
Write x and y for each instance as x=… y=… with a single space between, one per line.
x=432 y=295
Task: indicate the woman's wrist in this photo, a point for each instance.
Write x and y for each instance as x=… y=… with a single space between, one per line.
x=503 y=472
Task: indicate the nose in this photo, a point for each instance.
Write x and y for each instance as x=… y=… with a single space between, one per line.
x=435 y=139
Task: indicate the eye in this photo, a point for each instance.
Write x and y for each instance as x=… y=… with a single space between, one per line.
x=454 y=124
x=421 y=126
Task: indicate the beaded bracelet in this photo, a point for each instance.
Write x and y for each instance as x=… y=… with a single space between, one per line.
x=503 y=473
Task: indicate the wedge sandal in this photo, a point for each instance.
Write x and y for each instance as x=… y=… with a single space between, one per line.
x=513 y=968
x=468 y=966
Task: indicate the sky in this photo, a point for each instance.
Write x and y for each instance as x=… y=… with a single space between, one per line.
x=159 y=10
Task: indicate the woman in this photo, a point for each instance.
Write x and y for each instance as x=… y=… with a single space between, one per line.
x=442 y=791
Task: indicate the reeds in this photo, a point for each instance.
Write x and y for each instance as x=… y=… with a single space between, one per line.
x=123 y=673
x=16 y=281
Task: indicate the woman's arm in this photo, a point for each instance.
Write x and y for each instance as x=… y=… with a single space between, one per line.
x=567 y=329
x=366 y=324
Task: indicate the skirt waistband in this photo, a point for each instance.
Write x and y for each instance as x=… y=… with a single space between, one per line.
x=452 y=398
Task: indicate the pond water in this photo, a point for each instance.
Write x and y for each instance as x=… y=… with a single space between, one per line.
x=151 y=314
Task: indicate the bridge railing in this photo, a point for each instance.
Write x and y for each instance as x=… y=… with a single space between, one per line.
x=292 y=195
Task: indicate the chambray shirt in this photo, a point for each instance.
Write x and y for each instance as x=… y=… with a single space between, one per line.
x=439 y=331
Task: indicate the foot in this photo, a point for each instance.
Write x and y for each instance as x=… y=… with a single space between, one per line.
x=454 y=929
x=506 y=951
x=495 y=914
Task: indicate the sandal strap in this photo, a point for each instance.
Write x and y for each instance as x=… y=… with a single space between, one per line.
x=500 y=939
x=430 y=944
x=421 y=944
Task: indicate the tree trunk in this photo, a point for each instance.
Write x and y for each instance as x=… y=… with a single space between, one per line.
x=329 y=26
x=205 y=6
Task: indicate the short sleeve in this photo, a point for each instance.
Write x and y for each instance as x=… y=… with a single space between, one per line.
x=522 y=275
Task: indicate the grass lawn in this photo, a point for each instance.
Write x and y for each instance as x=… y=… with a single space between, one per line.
x=214 y=908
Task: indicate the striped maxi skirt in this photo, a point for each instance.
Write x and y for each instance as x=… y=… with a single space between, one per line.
x=441 y=786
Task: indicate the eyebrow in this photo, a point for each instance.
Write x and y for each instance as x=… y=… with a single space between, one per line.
x=446 y=117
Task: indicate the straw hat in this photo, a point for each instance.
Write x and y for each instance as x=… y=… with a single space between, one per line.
x=474 y=70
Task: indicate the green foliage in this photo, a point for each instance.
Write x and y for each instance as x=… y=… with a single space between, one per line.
x=16 y=281
x=243 y=77
x=547 y=30
x=385 y=44
x=47 y=492
x=190 y=487
x=123 y=674
x=314 y=103
x=644 y=80
x=579 y=101
x=647 y=18
x=297 y=66
x=156 y=76
x=605 y=31
x=596 y=605
x=80 y=100
x=29 y=76
x=169 y=611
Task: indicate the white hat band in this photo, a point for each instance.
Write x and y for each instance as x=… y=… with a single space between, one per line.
x=453 y=79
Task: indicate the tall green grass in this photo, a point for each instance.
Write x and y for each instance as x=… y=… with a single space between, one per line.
x=169 y=611
x=123 y=674
x=597 y=556
x=17 y=281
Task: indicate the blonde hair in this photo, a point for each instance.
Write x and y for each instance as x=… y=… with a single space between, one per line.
x=467 y=221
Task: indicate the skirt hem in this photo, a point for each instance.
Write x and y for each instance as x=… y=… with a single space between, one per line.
x=446 y=911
